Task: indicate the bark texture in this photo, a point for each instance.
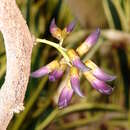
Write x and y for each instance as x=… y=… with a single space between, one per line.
x=18 y=45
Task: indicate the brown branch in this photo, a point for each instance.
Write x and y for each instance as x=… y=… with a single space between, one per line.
x=18 y=44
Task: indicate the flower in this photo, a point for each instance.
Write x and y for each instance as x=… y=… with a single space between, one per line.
x=58 y=33
x=75 y=81
x=99 y=85
x=55 y=31
x=88 y=43
x=65 y=96
x=45 y=69
x=98 y=73
x=72 y=62
x=57 y=73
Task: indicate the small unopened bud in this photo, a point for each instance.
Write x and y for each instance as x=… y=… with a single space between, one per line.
x=88 y=43
x=45 y=69
x=65 y=97
x=99 y=85
x=55 y=31
x=75 y=81
x=99 y=73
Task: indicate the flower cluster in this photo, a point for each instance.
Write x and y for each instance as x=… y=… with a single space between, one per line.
x=90 y=70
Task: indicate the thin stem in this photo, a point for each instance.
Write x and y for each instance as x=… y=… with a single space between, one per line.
x=57 y=46
x=49 y=119
x=61 y=42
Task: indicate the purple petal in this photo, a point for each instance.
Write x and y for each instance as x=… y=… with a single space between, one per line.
x=75 y=84
x=102 y=87
x=52 y=25
x=40 y=72
x=70 y=27
x=80 y=65
x=101 y=75
x=65 y=97
x=55 y=75
x=93 y=37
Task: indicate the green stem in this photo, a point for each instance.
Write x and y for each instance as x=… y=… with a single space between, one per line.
x=57 y=46
x=49 y=119
x=56 y=113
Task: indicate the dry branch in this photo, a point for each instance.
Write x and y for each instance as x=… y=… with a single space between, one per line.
x=18 y=45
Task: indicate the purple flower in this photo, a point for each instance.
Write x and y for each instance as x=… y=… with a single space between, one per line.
x=65 y=97
x=53 y=25
x=92 y=38
x=45 y=69
x=98 y=73
x=92 y=72
x=88 y=43
x=40 y=72
x=75 y=81
x=102 y=87
x=58 y=33
x=55 y=31
x=55 y=75
x=101 y=75
x=99 y=85
x=75 y=84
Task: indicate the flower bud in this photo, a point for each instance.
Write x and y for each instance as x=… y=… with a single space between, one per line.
x=98 y=73
x=75 y=81
x=99 y=85
x=45 y=69
x=88 y=43
x=56 y=74
x=65 y=97
x=55 y=31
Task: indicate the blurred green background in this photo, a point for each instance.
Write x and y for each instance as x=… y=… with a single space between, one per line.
x=112 y=53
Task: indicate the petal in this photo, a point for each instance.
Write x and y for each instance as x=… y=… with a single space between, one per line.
x=70 y=27
x=98 y=73
x=101 y=75
x=80 y=65
x=75 y=84
x=75 y=59
x=53 y=25
x=102 y=87
x=99 y=85
x=93 y=37
x=55 y=31
x=88 y=43
x=55 y=75
x=45 y=69
x=65 y=97
x=40 y=72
